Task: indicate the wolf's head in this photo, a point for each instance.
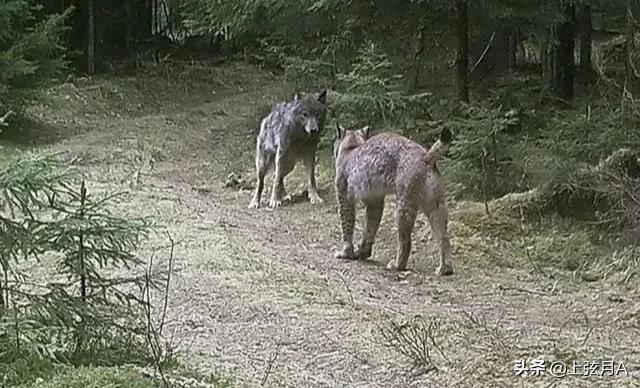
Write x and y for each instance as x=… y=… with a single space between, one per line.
x=310 y=112
x=345 y=139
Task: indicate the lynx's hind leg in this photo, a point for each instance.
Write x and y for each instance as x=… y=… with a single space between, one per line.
x=406 y=216
x=439 y=220
x=374 y=215
x=347 y=214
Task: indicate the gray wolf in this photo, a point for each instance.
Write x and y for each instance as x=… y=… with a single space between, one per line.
x=370 y=168
x=291 y=132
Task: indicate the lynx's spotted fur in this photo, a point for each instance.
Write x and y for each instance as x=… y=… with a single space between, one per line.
x=370 y=168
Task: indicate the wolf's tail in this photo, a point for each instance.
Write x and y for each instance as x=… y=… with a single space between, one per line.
x=439 y=147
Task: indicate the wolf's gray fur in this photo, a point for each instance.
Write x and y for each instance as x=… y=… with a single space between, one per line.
x=289 y=133
x=370 y=168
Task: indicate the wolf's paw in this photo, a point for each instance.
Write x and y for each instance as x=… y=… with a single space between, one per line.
x=393 y=266
x=315 y=199
x=255 y=201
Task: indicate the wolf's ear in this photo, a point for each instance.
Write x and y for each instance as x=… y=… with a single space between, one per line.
x=365 y=132
x=295 y=97
x=323 y=97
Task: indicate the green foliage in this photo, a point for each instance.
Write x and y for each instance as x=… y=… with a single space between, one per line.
x=31 y=49
x=481 y=150
x=371 y=94
x=83 y=311
x=368 y=90
x=246 y=23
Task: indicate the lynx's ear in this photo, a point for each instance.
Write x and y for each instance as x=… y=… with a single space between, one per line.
x=365 y=132
x=339 y=131
x=322 y=98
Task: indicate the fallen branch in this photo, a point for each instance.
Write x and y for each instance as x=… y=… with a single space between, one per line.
x=520 y=289
x=166 y=289
x=3 y=119
x=346 y=285
x=484 y=53
x=270 y=363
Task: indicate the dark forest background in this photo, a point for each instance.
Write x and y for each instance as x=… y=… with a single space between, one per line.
x=543 y=98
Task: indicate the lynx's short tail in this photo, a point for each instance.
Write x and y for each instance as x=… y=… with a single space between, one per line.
x=439 y=147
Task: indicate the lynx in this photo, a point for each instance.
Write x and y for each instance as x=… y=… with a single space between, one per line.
x=370 y=168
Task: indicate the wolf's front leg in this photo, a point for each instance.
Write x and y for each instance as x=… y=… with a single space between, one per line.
x=278 y=180
x=310 y=167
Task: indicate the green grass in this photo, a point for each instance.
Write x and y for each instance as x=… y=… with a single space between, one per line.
x=35 y=372
x=91 y=377
x=27 y=372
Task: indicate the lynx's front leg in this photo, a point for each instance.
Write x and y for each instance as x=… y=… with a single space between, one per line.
x=278 y=180
x=347 y=213
x=310 y=167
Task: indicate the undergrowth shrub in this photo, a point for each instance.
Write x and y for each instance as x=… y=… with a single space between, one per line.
x=586 y=167
x=63 y=295
x=482 y=151
x=31 y=52
x=606 y=193
x=419 y=339
x=371 y=93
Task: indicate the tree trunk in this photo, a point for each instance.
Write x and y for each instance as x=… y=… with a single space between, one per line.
x=143 y=19
x=413 y=76
x=1 y=295
x=155 y=27
x=514 y=39
x=629 y=76
x=128 y=9
x=462 y=60
x=586 y=29
x=566 y=46
x=502 y=49
x=170 y=10
x=91 y=38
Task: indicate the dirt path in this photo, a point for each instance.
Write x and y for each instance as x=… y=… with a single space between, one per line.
x=256 y=295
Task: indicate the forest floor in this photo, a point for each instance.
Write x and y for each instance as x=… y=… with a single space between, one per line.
x=257 y=296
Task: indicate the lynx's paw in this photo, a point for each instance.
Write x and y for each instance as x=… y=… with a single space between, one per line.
x=444 y=270
x=363 y=253
x=255 y=204
x=345 y=254
x=273 y=203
